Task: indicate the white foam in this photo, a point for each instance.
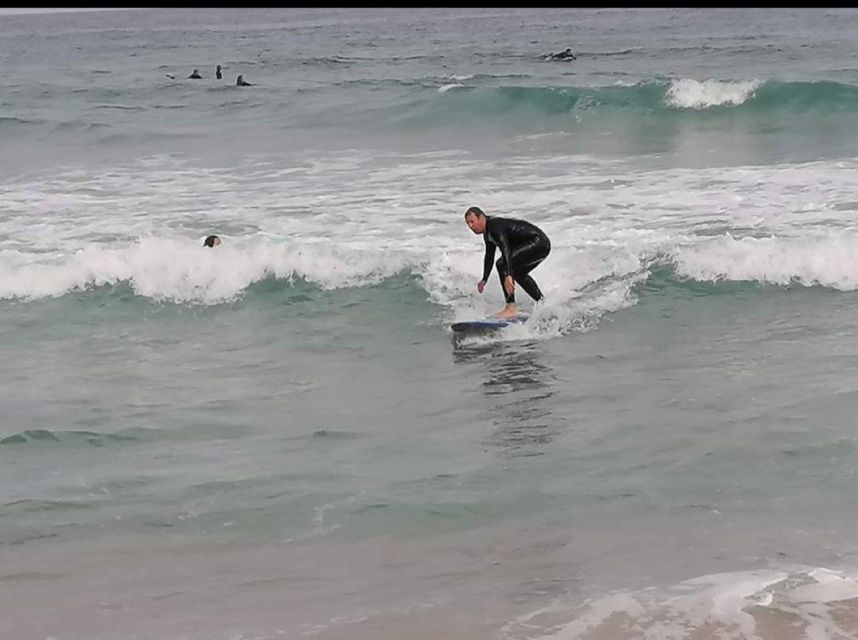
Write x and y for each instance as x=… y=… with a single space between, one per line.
x=354 y=218
x=166 y=268
x=829 y=260
x=572 y=301
x=725 y=603
x=694 y=94
x=448 y=87
x=827 y=586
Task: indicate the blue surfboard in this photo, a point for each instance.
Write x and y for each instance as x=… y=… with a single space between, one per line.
x=487 y=324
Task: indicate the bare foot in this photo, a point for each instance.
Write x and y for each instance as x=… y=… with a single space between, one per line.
x=509 y=311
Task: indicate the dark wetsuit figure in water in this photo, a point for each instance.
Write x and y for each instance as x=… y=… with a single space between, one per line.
x=522 y=246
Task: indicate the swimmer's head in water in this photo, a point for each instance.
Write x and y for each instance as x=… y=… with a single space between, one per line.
x=475 y=219
x=211 y=241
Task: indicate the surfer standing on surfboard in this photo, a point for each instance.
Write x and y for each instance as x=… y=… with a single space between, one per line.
x=522 y=245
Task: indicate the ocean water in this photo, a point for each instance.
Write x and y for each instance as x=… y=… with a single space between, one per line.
x=281 y=438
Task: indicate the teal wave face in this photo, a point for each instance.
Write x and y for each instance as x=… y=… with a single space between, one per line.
x=550 y=101
x=474 y=101
x=824 y=95
x=667 y=98
x=663 y=280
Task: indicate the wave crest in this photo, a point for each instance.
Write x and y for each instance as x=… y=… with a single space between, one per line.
x=828 y=261
x=167 y=269
x=693 y=94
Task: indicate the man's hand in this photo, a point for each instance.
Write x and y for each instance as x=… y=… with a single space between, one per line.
x=481 y=285
x=508 y=285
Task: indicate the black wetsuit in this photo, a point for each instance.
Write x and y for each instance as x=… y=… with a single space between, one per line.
x=563 y=55
x=523 y=246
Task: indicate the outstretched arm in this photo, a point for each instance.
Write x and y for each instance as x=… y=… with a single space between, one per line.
x=489 y=260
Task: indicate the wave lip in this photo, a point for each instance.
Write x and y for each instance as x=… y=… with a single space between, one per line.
x=172 y=270
x=827 y=261
x=686 y=93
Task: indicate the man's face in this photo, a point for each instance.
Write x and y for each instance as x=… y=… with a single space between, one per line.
x=476 y=223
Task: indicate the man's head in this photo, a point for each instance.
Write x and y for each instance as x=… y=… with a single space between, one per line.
x=476 y=219
x=211 y=241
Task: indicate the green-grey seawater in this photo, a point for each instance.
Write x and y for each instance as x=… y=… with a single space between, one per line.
x=281 y=438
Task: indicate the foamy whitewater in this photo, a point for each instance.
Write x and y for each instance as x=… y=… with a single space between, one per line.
x=280 y=437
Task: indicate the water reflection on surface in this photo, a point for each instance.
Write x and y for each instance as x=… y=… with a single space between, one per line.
x=518 y=385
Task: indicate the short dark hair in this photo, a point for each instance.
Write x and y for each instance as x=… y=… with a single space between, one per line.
x=210 y=241
x=474 y=210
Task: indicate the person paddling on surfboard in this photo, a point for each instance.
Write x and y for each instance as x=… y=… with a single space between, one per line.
x=522 y=245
